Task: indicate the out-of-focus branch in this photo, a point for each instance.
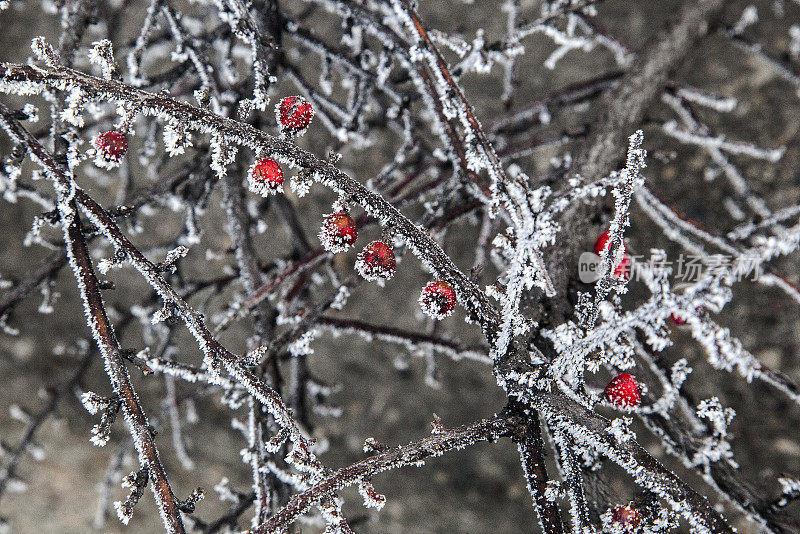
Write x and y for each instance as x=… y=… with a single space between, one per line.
x=622 y=110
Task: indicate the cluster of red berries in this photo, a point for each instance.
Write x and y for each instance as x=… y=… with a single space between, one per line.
x=294 y=114
x=377 y=262
x=339 y=231
x=623 y=391
x=110 y=146
x=623 y=268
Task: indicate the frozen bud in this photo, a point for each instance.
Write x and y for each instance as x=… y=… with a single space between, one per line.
x=372 y=499
x=626 y=518
x=110 y=146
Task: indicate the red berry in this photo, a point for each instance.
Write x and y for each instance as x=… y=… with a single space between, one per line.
x=438 y=299
x=294 y=114
x=376 y=261
x=622 y=270
x=627 y=517
x=680 y=320
x=602 y=243
x=338 y=232
x=111 y=146
x=623 y=391
x=677 y=319
x=266 y=177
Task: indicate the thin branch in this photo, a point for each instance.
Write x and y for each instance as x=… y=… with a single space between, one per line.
x=411 y=454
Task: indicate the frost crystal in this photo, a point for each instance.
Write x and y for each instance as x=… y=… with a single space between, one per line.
x=93 y=402
x=372 y=499
x=102 y=55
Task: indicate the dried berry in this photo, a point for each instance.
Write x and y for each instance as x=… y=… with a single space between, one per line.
x=376 y=261
x=111 y=146
x=266 y=177
x=294 y=114
x=626 y=517
x=623 y=391
x=338 y=232
x=438 y=299
x=622 y=269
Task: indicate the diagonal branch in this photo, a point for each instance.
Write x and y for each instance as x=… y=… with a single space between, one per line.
x=103 y=332
x=412 y=454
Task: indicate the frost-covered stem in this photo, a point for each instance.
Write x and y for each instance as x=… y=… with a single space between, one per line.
x=241 y=309
x=531 y=452
x=456 y=147
x=214 y=351
x=250 y=277
x=519 y=120
x=134 y=58
x=785 y=70
x=625 y=105
x=732 y=173
x=112 y=476
x=102 y=331
x=679 y=228
x=678 y=430
x=176 y=425
x=106 y=339
x=391 y=334
x=444 y=71
x=340 y=58
x=210 y=346
x=430 y=253
x=251 y=30
x=572 y=480
x=413 y=453
x=207 y=76
x=293 y=226
x=75 y=17
x=563 y=8
x=613 y=255
x=498 y=189
x=310 y=316
x=230 y=519
x=588 y=429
